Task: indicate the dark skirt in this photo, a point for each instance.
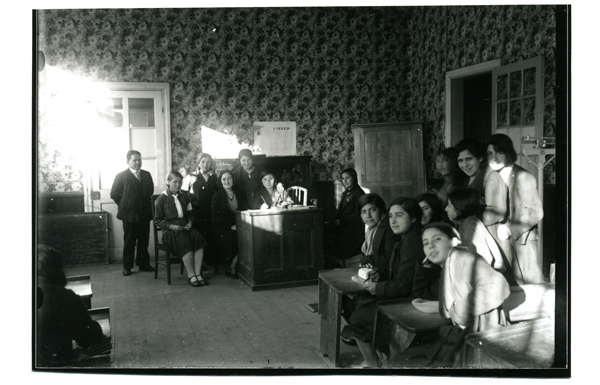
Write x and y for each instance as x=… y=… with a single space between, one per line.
x=226 y=244
x=182 y=242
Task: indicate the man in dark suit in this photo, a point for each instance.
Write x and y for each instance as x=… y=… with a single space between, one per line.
x=132 y=191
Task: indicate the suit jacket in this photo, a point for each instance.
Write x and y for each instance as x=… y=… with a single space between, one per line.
x=471 y=291
x=526 y=209
x=133 y=197
x=383 y=244
x=401 y=271
x=347 y=211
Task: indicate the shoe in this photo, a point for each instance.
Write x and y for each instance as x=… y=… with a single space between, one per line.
x=348 y=341
x=147 y=267
x=228 y=272
x=201 y=281
x=195 y=283
x=234 y=274
x=126 y=272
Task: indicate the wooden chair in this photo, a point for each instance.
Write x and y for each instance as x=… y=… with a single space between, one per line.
x=158 y=245
x=298 y=194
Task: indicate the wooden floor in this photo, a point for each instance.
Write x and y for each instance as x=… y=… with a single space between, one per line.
x=222 y=325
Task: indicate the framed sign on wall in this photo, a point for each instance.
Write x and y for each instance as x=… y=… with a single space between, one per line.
x=275 y=138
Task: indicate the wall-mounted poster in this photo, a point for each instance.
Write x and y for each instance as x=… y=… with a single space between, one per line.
x=275 y=138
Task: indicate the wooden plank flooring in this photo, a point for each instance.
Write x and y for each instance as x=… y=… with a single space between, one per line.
x=223 y=325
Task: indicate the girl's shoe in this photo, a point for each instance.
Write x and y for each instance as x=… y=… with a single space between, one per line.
x=195 y=283
x=234 y=274
x=201 y=281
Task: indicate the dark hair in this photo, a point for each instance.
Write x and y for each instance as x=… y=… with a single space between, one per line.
x=205 y=155
x=474 y=146
x=264 y=173
x=445 y=228
x=131 y=153
x=412 y=208
x=352 y=173
x=467 y=202
x=503 y=143
x=186 y=168
x=223 y=172
x=174 y=174
x=49 y=265
x=245 y=152
x=434 y=202
x=372 y=198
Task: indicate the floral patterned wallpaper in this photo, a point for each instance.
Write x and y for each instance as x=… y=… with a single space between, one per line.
x=325 y=68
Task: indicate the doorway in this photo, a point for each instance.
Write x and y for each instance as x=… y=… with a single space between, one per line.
x=477 y=107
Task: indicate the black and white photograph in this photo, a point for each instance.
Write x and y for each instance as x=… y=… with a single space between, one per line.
x=301 y=190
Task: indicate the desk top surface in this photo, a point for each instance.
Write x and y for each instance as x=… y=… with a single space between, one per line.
x=81 y=285
x=291 y=210
x=341 y=280
x=527 y=344
x=402 y=312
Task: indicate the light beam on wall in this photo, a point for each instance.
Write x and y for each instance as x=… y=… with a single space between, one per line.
x=220 y=145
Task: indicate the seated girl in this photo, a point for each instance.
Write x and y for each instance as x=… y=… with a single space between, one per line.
x=271 y=194
x=347 y=234
x=392 y=281
x=174 y=216
x=433 y=211
x=379 y=237
x=470 y=299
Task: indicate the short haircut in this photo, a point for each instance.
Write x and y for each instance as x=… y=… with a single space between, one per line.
x=371 y=198
x=412 y=208
x=467 y=202
x=49 y=265
x=352 y=173
x=445 y=228
x=208 y=156
x=475 y=147
x=131 y=153
x=245 y=152
x=503 y=143
x=223 y=172
x=186 y=168
x=434 y=202
x=174 y=174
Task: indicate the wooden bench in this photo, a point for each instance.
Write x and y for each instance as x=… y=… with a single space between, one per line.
x=528 y=344
x=82 y=286
x=401 y=325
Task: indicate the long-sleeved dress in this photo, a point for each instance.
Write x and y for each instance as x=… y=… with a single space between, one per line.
x=202 y=191
x=348 y=237
x=166 y=213
x=223 y=217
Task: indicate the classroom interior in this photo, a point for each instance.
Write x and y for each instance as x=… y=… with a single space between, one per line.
x=210 y=75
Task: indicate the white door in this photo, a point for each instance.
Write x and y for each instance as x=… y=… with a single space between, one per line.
x=126 y=120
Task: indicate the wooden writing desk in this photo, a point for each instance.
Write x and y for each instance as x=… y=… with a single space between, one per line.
x=409 y=323
x=333 y=285
x=524 y=345
x=81 y=286
x=280 y=248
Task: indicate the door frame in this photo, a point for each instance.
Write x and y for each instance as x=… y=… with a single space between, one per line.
x=454 y=102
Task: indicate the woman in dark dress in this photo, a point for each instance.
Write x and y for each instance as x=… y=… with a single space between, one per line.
x=174 y=216
x=270 y=194
x=246 y=177
x=393 y=281
x=225 y=202
x=202 y=190
x=348 y=232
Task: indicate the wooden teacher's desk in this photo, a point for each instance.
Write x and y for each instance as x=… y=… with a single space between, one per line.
x=333 y=285
x=280 y=248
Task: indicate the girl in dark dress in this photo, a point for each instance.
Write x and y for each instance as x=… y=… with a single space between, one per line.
x=348 y=233
x=395 y=281
x=174 y=216
x=270 y=194
x=202 y=190
x=246 y=177
x=225 y=202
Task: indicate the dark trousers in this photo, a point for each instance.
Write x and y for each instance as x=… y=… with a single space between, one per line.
x=132 y=233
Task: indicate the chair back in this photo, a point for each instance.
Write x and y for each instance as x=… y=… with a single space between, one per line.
x=298 y=194
x=154 y=227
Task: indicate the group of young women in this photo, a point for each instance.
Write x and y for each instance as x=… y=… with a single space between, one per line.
x=463 y=245
x=201 y=220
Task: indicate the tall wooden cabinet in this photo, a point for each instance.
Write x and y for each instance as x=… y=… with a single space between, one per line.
x=389 y=158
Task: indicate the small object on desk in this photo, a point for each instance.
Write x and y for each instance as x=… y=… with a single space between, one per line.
x=358 y=279
x=364 y=272
x=313 y=307
x=425 y=306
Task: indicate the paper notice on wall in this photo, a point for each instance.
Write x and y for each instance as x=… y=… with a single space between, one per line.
x=275 y=138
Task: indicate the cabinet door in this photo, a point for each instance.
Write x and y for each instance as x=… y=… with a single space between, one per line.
x=389 y=158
